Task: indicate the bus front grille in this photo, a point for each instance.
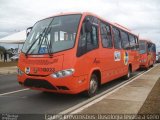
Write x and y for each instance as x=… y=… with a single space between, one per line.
x=38 y=83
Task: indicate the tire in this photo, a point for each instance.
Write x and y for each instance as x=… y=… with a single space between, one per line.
x=128 y=75
x=93 y=86
x=147 y=68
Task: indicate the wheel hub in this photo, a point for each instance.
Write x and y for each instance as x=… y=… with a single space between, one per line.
x=93 y=86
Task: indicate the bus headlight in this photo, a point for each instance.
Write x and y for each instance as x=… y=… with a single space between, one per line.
x=19 y=72
x=63 y=73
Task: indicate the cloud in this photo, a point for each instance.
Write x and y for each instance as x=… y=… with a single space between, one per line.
x=141 y=16
x=3 y=34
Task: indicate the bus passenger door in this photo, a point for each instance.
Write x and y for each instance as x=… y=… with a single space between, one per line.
x=134 y=52
x=118 y=54
x=106 y=52
x=87 y=52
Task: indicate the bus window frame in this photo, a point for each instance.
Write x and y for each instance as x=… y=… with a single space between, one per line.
x=75 y=36
x=114 y=27
x=107 y=24
x=137 y=43
x=127 y=37
x=98 y=30
x=135 y=48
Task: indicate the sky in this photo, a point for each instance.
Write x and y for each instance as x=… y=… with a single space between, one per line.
x=140 y=16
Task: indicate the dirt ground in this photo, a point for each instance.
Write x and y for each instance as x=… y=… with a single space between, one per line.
x=8 y=64
x=152 y=103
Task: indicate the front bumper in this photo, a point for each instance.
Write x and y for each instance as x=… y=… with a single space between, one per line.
x=68 y=85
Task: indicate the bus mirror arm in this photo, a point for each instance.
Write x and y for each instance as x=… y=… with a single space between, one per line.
x=28 y=31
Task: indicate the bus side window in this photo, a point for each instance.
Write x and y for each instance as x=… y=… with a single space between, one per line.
x=132 y=41
x=149 y=46
x=153 y=48
x=82 y=42
x=137 y=44
x=92 y=39
x=106 y=36
x=125 y=40
x=117 y=39
x=87 y=41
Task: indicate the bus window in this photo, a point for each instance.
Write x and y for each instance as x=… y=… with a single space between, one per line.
x=55 y=36
x=153 y=48
x=62 y=34
x=87 y=41
x=149 y=47
x=57 y=27
x=142 y=47
x=125 y=41
x=137 y=43
x=93 y=41
x=106 y=36
x=117 y=39
x=132 y=42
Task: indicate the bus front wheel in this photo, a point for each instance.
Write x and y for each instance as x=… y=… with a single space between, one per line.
x=93 y=86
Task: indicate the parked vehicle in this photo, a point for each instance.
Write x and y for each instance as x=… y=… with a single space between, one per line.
x=147 y=53
x=157 y=58
x=76 y=52
x=14 y=58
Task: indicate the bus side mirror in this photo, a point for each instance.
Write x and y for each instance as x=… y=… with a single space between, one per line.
x=28 y=31
x=88 y=26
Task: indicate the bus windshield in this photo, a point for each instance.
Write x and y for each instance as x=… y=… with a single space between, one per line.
x=142 y=47
x=52 y=35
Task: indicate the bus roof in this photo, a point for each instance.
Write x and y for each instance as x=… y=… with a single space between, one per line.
x=146 y=40
x=113 y=24
x=92 y=14
x=122 y=27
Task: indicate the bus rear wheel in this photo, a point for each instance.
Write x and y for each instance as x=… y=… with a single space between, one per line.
x=148 y=66
x=128 y=75
x=93 y=86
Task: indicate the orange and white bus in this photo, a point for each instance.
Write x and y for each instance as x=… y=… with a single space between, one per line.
x=75 y=52
x=147 y=50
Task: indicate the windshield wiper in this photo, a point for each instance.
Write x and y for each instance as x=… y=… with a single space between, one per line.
x=45 y=39
x=39 y=37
